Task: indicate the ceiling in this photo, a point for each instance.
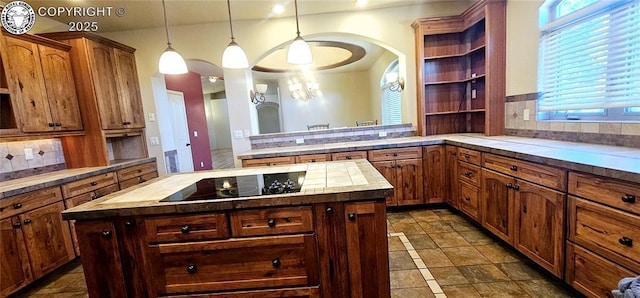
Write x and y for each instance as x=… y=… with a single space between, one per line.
x=139 y=14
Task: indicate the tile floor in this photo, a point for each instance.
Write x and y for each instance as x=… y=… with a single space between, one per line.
x=432 y=253
x=222 y=159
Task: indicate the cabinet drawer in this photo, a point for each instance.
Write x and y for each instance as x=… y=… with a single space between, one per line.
x=191 y=227
x=90 y=184
x=136 y=171
x=591 y=274
x=470 y=156
x=266 y=262
x=395 y=154
x=301 y=292
x=349 y=155
x=544 y=175
x=469 y=200
x=313 y=158
x=609 y=232
x=86 y=197
x=469 y=173
x=615 y=193
x=25 y=202
x=272 y=221
x=272 y=161
x=137 y=180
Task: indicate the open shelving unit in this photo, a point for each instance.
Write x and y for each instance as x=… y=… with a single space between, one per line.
x=460 y=70
x=7 y=116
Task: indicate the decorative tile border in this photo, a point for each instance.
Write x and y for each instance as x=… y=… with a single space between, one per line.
x=426 y=274
x=522 y=97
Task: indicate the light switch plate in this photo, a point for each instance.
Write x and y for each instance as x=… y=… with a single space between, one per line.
x=300 y=141
x=28 y=153
x=525 y=115
x=154 y=141
x=152 y=117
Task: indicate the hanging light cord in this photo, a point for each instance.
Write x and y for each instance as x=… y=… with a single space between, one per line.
x=230 y=25
x=166 y=26
x=295 y=3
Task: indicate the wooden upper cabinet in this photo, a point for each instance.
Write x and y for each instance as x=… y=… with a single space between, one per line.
x=103 y=70
x=41 y=84
x=130 y=99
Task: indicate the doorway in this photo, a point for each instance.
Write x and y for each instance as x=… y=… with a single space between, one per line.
x=178 y=116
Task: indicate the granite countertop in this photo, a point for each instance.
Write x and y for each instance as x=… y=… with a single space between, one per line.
x=324 y=182
x=609 y=161
x=33 y=183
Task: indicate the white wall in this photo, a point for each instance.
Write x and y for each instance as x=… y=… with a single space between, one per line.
x=218 y=123
x=338 y=102
x=522 y=46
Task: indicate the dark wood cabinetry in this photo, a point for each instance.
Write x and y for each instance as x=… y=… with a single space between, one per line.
x=404 y=169
x=497 y=204
x=452 y=176
x=16 y=271
x=460 y=71
x=435 y=189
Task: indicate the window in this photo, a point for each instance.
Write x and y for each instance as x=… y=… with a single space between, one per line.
x=589 y=65
x=391 y=100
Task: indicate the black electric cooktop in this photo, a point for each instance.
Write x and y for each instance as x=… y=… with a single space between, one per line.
x=240 y=186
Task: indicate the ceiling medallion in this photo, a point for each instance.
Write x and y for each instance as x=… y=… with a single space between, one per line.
x=327 y=55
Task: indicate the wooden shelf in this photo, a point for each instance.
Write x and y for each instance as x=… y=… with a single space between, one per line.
x=482 y=47
x=4 y=90
x=455 y=112
x=456 y=81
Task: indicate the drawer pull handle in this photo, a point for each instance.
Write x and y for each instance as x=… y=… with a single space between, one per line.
x=185 y=229
x=467 y=156
x=313 y=160
x=17 y=206
x=524 y=209
x=514 y=168
x=27 y=221
x=352 y=216
x=276 y=263
x=51 y=124
x=141 y=180
x=629 y=198
x=17 y=224
x=268 y=164
x=395 y=154
x=509 y=185
x=93 y=183
x=271 y=222
x=467 y=198
x=107 y=234
x=192 y=268
x=349 y=157
x=626 y=241
x=329 y=210
x=454 y=153
x=516 y=187
x=468 y=174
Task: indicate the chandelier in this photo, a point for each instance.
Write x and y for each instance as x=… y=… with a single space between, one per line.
x=304 y=90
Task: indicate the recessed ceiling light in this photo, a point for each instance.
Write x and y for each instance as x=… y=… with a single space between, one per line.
x=277 y=9
x=361 y=2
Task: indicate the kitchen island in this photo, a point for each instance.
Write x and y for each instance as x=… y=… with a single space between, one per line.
x=318 y=232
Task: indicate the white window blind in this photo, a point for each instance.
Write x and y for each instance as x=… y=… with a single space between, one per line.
x=391 y=107
x=592 y=62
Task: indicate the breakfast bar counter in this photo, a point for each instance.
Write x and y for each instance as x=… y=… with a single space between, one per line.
x=320 y=231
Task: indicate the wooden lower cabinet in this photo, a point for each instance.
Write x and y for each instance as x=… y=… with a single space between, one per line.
x=497 y=204
x=16 y=272
x=406 y=176
x=469 y=201
x=342 y=254
x=451 y=165
x=434 y=174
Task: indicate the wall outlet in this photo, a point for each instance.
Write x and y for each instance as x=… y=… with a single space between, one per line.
x=525 y=115
x=299 y=141
x=154 y=141
x=202 y=164
x=28 y=153
x=473 y=93
x=195 y=133
x=382 y=134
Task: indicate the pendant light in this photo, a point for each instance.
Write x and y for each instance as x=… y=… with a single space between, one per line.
x=233 y=56
x=170 y=61
x=299 y=51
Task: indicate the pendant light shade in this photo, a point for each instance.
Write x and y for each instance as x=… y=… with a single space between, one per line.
x=233 y=56
x=299 y=51
x=170 y=61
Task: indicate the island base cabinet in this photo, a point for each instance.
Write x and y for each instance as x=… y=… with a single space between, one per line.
x=16 y=272
x=360 y=230
x=304 y=292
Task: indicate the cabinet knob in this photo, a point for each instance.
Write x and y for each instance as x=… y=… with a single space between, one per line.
x=329 y=210
x=129 y=223
x=516 y=187
x=17 y=224
x=626 y=241
x=349 y=157
x=468 y=174
x=513 y=168
x=276 y=263
x=93 y=183
x=467 y=156
x=524 y=209
x=395 y=154
x=509 y=185
x=268 y=164
x=271 y=222
x=107 y=234
x=192 y=268
x=351 y=216
x=141 y=180
x=27 y=221
x=467 y=198
x=454 y=153
x=58 y=124
x=627 y=198
x=51 y=124
x=17 y=206
x=185 y=229
x=126 y=123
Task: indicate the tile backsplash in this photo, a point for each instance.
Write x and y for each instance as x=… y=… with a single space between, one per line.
x=605 y=133
x=47 y=156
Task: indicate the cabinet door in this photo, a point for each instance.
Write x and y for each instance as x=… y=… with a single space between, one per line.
x=27 y=86
x=130 y=100
x=539 y=225
x=409 y=178
x=101 y=260
x=367 y=254
x=497 y=204
x=435 y=174
x=388 y=171
x=14 y=261
x=61 y=90
x=48 y=238
x=104 y=74
x=452 y=176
